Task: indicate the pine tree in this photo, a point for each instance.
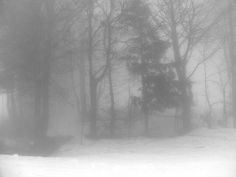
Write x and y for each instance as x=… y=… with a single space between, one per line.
x=145 y=48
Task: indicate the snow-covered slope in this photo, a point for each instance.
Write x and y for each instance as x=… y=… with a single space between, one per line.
x=203 y=153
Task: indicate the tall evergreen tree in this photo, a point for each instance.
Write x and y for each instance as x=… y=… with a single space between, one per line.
x=145 y=49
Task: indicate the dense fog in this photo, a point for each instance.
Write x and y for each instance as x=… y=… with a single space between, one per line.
x=86 y=70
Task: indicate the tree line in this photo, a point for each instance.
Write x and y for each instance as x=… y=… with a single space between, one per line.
x=156 y=40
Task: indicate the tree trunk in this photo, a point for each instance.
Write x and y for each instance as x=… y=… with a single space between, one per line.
x=45 y=98
x=37 y=107
x=209 y=115
x=130 y=113
x=225 y=113
x=108 y=32
x=43 y=65
x=186 y=112
x=46 y=68
x=232 y=57
x=92 y=79
x=145 y=107
x=181 y=72
x=112 y=106
x=80 y=99
x=93 y=108
x=83 y=102
x=12 y=106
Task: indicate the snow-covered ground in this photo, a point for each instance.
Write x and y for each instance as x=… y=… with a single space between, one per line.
x=202 y=153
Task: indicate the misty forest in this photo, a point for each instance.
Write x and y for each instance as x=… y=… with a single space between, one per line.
x=128 y=77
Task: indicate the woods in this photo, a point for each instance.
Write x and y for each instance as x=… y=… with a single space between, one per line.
x=113 y=67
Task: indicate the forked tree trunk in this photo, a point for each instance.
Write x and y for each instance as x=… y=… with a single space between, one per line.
x=108 y=32
x=181 y=72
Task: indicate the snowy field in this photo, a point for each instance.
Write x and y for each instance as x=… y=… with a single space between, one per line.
x=202 y=153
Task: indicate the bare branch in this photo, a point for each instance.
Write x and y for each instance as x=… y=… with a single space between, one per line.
x=203 y=61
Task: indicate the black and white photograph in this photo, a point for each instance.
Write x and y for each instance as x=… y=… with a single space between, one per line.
x=117 y=88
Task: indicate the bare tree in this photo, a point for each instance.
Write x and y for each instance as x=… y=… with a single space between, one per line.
x=108 y=34
x=96 y=74
x=184 y=24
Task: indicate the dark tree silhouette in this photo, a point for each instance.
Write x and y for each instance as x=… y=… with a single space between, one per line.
x=145 y=47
